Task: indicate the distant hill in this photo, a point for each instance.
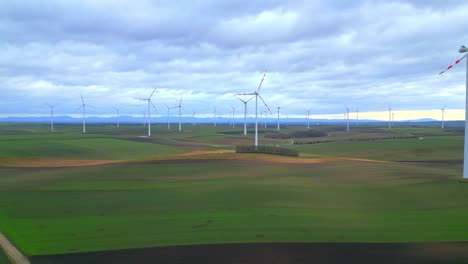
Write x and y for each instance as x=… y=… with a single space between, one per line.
x=186 y=119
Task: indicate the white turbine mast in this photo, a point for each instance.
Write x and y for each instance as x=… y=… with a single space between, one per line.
x=193 y=117
x=245 y=113
x=144 y=118
x=150 y=103
x=347 y=118
x=118 y=116
x=390 y=116
x=51 y=116
x=233 y=122
x=83 y=105
x=257 y=95
x=308 y=117
x=168 y=116
x=443 y=116
x=180 y=113
x=278 y=117
x=214 y=115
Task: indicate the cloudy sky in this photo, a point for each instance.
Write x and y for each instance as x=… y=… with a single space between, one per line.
x=317 y=54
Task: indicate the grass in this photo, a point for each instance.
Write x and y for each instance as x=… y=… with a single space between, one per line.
x=4 y=258
x=427 y=149
x=79 y=147
x=116 y=207
x=82 y=209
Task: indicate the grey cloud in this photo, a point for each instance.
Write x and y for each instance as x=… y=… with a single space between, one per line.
x=317 y=54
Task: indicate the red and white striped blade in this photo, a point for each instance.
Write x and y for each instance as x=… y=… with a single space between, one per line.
x=451 y=66
x=265 y=103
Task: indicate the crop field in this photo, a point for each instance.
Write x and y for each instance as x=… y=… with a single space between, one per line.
x=190 y=188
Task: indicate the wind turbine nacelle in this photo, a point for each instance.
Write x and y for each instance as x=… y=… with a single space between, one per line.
x=463 y=49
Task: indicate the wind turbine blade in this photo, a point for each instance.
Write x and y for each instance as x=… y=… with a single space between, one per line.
x=154 y=107
x=180 y=102
x=265 y=103
x=143 y=99
x=250 y=99
x=82 y=99
x=246 y=94
x=91 y=106
x=48 y=105
x=241 y=100
x=261 y=82
x=79 y=108
x=152 y=93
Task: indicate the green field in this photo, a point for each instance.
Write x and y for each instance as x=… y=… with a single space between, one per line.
x=180 y=202
x=4 y=258
x=427 y=149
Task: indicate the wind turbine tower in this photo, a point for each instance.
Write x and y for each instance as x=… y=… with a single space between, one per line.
x=278 y=117
x=347 y=118
x=193 y=118
x=180 y=113
x=308 y=117
x=83 y=105
x=233 y=116
x=257 y=95
x=245 y=113
x=214 y=116
x=443 y=113
x=168 y=117
x=51 y=116
x=144 y=118
x=150 y=103
x=118 y=116
x=389 y=116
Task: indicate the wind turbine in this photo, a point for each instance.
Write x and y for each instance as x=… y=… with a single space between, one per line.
x=118 y=115
x=168 y=116
x=193 y=117
x=180 y=113
x=233 y=116
x=257 y=95
x=443 y=113
x=464 y=49
x=245 y=113
x=308 y=117
x=51 y=116
x=390 y=116
x=278 y=120
x=83 y=105
x=144 y=118
x=149 y=110
x=347 y=118
x=214 y=114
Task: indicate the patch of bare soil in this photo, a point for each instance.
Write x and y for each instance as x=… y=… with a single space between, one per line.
x=192 y=156
x=276 y=253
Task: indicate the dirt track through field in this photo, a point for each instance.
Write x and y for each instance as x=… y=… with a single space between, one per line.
x=13 y=253
x=180 y=158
